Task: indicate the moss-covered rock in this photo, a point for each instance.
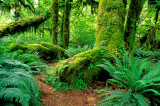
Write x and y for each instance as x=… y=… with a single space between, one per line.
x=47 y=51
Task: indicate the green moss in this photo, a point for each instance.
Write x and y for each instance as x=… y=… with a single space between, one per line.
x=55 y=10
x=110 y=29
x=15 y=47
x=21 y=25
x=33 y=47
x=55 y=50
x=47 y=51
x=85 y=63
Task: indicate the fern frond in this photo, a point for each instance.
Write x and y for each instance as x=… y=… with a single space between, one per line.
x=141 y=100
x=126 y=98
x=16 y=63
x=118 y=82
x=157 y=93
x=10 y=93
x=137 y=75
x=151 y=74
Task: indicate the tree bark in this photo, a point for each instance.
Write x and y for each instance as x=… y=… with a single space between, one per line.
x=134 y=11
x=22 y=25
x=110 y=25
x=55 y=20
x=67 y=10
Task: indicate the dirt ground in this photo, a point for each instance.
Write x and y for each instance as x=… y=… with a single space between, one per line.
x=68 y=98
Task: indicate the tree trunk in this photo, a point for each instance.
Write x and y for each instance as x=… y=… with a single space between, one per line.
x=109 y=40
x=67 y=10
x=55 y=20
x=61 y=21
x=110 y=29
x=22 y=25
x=134 y=11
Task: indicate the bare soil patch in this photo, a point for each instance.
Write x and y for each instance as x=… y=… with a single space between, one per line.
x=68 y=98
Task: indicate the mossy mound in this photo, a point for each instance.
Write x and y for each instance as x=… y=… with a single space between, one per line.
x=47 y=51
x=85 y=63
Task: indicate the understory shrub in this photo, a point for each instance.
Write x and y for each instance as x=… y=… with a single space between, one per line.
x=64 y=86
x=137 y=79
x=154 y=56
x=73 y=51
x=17 y=85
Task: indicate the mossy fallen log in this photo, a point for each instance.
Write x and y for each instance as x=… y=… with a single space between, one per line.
x=47 y=51
x=22 y=24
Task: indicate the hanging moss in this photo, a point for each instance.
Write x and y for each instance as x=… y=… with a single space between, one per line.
x=21 y=25
x=47 y=51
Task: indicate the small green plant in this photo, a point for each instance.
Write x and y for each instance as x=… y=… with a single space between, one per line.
x=64 y=86
x=73 y=51
x=140 y=53
x=138 y=81
x=16 y=84
x=79 y=84
x=30 y=59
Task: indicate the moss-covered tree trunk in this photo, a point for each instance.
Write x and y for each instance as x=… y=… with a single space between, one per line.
x=22 y=24
x=61 y=21
x=55 y=20
x=67 y=10
x=134 y=11
x=61 y=29
x=109 y=40
x=110 y=26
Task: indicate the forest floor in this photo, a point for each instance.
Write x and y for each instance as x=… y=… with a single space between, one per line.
x=50 y=97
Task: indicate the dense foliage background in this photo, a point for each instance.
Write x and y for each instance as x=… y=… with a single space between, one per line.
x=34 y=33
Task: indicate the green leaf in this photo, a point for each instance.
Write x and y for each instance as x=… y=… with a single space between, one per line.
x=152 y=90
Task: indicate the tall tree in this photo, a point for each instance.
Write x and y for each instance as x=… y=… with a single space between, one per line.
x=109 y=38
x=134 y=11
x=55 y=10
x=66 y=22
x=110 y=26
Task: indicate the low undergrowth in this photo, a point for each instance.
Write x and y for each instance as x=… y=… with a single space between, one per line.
x=137 y=80
x=64 y=86
x=17 y=84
